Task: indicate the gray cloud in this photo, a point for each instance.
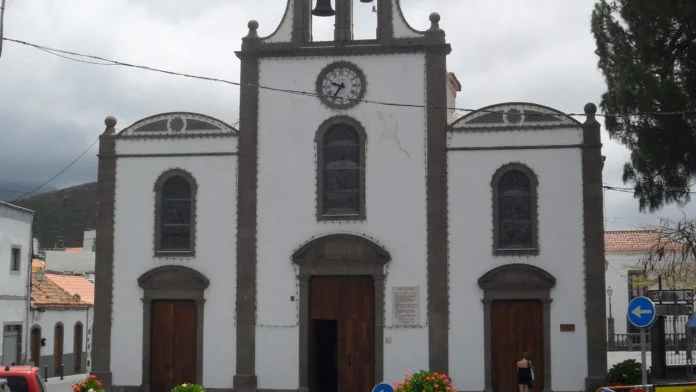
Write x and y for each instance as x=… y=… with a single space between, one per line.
x=51 y=109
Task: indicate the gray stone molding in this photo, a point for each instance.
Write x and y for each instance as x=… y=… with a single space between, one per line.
x=191 y=251
x=319 y=142
x=340 y=254
x=104 y=255
x=513 y=116
x=510 y=282
x=593 y=227
x=534 y=200
x=172 y=282
x=178 y=124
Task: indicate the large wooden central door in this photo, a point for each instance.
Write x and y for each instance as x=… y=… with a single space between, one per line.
x=342 y=334
x=173 y=344
x=517 y=326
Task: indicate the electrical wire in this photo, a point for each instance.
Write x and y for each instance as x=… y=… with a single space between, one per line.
x=55 y=51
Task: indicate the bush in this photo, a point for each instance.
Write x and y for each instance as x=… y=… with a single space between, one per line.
x=627 y=372
x=424 y=381
x=188 y=387
x=89 y=384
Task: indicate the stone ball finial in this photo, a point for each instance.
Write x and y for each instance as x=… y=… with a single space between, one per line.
x=435 y=17
x=253 y=25
x=590 y=108
x=110 y=121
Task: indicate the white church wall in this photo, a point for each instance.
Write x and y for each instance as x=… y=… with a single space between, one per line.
x=395 y=155
x=560 y=220
x=216 y=178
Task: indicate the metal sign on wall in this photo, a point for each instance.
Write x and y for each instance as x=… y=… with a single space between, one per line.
x=406 y=311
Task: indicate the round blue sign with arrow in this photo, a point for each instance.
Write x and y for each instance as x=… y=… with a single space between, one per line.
x=641 y=312
x=383 y=387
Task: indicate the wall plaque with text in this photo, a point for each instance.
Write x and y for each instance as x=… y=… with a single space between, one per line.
x=406 y=306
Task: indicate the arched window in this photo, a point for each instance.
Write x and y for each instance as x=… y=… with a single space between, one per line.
x=341 y=176
x=175 y=213
x=515 y=210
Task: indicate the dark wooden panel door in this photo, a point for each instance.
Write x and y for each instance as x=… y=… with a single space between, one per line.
x=173 y=344
x=77 y=348
x=349 y=301
x=57 y=348
x=517 y=326
x=35 y=344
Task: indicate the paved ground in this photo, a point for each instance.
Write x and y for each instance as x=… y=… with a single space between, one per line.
x=55 y=384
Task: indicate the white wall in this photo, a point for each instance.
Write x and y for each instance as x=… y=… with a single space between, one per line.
x=617 y=278
x=88 y=240
x=216 y=177
x=48 y=319
x=62 y=261
x=287 y=166
x=560 y=219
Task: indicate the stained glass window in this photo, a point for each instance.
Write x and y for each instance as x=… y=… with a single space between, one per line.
x=515 y=211
x=342 y=172
x=175 y=218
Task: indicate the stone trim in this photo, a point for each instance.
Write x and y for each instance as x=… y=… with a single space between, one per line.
x=340 y=254
x=319 y=143
x=161 y=180
x=340 y=64
x=104 y=252
x=529 y=147
x=178 y=155
x=593 y=232
x=172 y=282
x=218 y=126
x=19 y=251
x=534 y=199
x=511 y=282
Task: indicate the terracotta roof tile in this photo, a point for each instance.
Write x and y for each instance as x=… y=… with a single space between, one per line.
x=75 y=284
x=630 y=241
x=73 y=249
x=47 y=293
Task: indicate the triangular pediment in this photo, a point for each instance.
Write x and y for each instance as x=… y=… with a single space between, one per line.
x=513 y=116
x=517 y=276
x=339 y=248
x=178 y=124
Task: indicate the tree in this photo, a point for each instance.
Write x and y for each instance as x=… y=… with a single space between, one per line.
x=647 y=53
x=673 y=252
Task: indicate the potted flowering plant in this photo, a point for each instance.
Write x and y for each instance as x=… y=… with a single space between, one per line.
x=424 y=381
x=188 y=387
x=89 y=384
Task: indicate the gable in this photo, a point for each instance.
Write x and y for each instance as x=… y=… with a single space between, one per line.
x=513 y=116
x=178 y=124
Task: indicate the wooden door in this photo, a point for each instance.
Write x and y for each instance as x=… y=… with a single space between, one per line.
x=77 y=348
x=57 y=348
x=35 y=344
x=348 y=303
x=173 y=344
x=517 y=326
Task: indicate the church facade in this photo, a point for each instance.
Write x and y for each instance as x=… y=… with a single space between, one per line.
x=340 y=238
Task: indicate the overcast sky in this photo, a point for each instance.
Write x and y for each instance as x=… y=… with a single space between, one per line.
x=51 y=108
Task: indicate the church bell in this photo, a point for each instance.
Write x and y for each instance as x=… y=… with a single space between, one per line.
x=323 y=8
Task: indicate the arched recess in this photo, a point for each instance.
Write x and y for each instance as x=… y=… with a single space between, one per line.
x=172 y=283
x=58 y=333
x=77 y=347
x=35 y=344
x=515 y=210
x=341 y=255
x=517 y=282
x=175 y=213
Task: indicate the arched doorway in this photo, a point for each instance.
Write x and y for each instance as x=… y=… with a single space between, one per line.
x=57 y=348
x=516 y=318
x=341 y=312
x=35 y=345
x=77 y=348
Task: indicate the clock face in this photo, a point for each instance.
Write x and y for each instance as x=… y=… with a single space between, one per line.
x=341 y=85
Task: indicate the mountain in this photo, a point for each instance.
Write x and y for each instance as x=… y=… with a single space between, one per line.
x=66 y=212
x=11 y=190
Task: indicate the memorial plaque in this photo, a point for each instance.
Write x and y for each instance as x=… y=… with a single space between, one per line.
x=406 y=306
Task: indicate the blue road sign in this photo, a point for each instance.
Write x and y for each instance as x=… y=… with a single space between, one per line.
x=641 y=312
x=383 y=387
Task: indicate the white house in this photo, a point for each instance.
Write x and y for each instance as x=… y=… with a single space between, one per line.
x=16 y=240
x=339 y=240
x=77 y=260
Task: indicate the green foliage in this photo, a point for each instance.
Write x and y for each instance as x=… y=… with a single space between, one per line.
x=424 y=381
x=188 y=387
x=627 y=372
x=89 y=384
x=647 y=53
x=66 y=212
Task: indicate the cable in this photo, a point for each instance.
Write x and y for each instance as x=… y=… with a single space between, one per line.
x=60 y=172
x=55 y=52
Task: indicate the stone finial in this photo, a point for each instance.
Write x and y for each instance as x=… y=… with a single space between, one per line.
x=110 y=122
x=435 y=21
x=253 y=27
x=590 y=111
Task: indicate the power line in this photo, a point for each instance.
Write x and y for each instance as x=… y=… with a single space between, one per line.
x=56 y=52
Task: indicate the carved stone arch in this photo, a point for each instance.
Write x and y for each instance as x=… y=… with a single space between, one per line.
x=340 y=254
x=172 y=282
x=510 y=282
x=161 y=180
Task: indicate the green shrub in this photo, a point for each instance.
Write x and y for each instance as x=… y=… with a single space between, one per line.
x=424 y=381
x=188 y=387
x=627 y=372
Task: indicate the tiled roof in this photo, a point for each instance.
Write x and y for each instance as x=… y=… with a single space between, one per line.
x=75 y=284
x=46 y=293
x=630 y=241
x=73 y=249
x=38 y=264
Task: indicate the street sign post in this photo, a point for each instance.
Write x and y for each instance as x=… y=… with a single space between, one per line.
x=383 y=387
x=641 y=313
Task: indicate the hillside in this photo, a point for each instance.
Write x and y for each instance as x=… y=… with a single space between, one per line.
x=67 y=212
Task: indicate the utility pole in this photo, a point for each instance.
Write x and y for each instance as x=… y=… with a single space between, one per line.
x=2 y=16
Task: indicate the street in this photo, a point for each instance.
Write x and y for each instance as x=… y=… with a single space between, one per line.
x=55 y=384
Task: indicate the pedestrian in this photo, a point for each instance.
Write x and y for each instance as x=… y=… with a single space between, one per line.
x=525 y=373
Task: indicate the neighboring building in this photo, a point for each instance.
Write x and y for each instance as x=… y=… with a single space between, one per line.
x=332 y=242
x=16 y=241
x=78 y=260
x=61 y=316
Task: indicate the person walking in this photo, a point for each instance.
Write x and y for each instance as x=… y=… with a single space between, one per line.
x=525 y=373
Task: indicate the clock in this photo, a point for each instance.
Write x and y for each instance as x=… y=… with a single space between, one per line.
x=341 y=85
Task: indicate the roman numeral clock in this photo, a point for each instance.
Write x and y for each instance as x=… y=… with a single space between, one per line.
x=341 y=85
